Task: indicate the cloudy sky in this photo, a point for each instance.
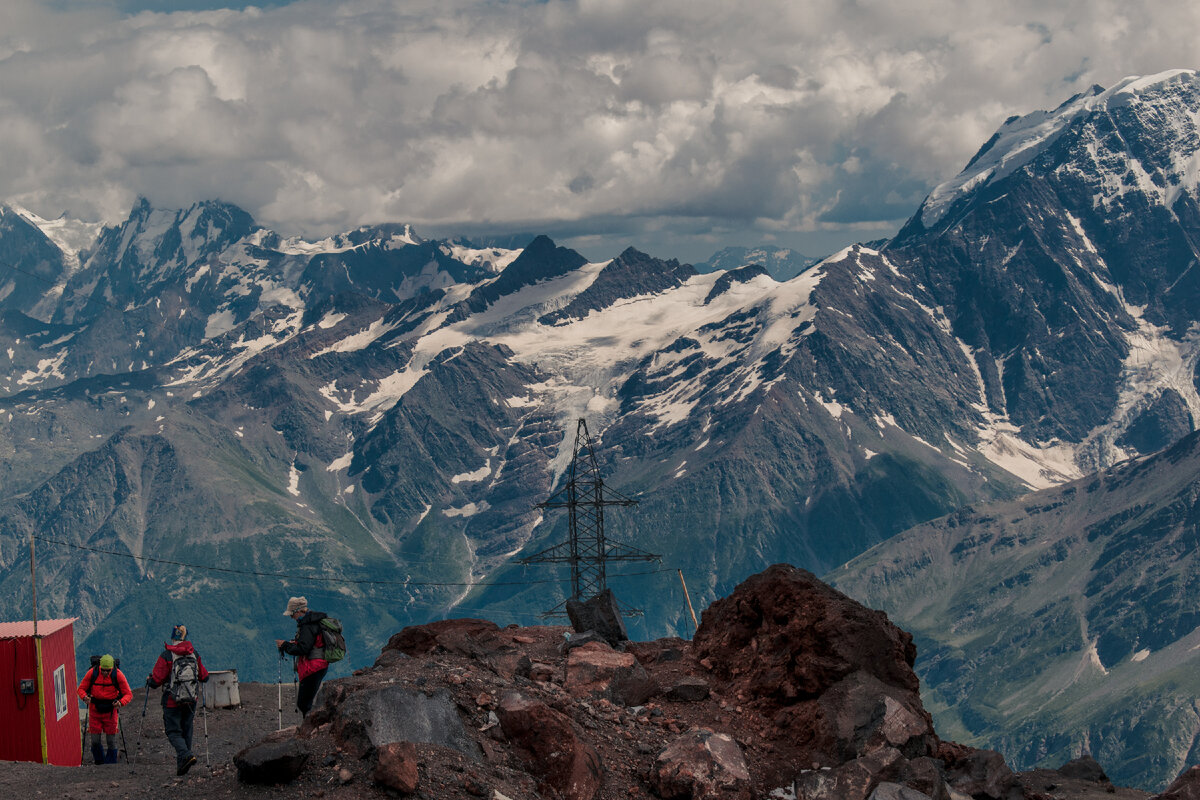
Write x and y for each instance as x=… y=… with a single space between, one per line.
x=677 y=126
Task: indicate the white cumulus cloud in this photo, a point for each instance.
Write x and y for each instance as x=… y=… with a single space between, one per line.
x=669 y=119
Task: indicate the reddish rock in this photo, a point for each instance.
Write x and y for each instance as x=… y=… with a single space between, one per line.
x=834 y=676
x=462 y=636
x=539 y=671
x=660 y=651
x=1185 y=787
x=397 y=767
x=787 y=636
x=701 y=765
x=596 y=670
x=552 y=750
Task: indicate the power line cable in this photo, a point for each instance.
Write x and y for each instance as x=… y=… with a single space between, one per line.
x=324 y=578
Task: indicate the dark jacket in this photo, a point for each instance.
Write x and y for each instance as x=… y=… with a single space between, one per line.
x=308 y=646
x=162 y=668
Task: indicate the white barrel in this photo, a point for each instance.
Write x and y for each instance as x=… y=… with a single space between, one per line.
x=222 y=689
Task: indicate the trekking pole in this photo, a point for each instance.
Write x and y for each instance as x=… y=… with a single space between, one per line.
x=83 y=734
x=142 y=724
x=279 y=688
x=125 y=747
x=204 y=713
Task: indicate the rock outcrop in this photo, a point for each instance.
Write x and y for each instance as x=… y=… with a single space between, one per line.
x=790 y=689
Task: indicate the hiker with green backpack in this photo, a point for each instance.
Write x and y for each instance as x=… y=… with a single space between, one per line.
x=318 y=643
x=180 y=672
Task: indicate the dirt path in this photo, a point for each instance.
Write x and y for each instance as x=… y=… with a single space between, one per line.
x=151 y=772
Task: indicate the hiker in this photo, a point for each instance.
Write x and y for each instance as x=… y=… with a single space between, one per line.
x=105 y=688
x=308 y=648
x=180 y=672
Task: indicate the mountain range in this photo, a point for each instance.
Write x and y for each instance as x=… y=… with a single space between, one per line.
x=372 y=419
x=1064 y=621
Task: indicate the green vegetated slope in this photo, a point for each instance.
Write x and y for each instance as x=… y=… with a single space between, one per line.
x=122 y=525
x=1060 y=623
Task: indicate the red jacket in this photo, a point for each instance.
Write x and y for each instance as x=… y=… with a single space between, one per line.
x=162 y=668
x=106 y=687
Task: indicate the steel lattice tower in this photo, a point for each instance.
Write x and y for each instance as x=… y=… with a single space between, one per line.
x=588 y=550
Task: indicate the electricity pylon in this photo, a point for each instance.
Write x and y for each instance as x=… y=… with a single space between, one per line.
x=588 y=550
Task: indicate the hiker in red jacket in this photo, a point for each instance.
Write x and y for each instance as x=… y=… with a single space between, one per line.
x=105 y=688
x=309 y=649
x=180 y=672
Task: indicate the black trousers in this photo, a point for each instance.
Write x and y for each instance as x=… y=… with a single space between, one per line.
x=177 y=722
x=307 y=691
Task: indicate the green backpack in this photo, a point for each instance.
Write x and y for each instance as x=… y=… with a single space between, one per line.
x=335 y=643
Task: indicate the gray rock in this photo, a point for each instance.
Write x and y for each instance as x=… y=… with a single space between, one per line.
x=398 y=714
x=599 y=615
x=699 y=765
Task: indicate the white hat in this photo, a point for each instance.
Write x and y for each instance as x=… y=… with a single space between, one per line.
x=295 y=604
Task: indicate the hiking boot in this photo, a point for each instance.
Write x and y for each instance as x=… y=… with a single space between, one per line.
x=187 y=764
x=98 y=753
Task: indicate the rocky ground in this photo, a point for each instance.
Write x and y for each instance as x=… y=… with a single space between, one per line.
x=789 y=691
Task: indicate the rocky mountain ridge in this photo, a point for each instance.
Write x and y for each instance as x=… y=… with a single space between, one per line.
x=789 y=690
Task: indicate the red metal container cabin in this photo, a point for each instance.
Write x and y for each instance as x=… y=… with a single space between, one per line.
x=23 y=722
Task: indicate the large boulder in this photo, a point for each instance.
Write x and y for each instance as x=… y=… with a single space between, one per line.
x=468 y=637
x=371 y=718
x=595 y=670
x=864 y=714
x=701 y=765
x=784 y=636
x=271 y=762
x=835 y=676
x=600 y=615
x=551 y=748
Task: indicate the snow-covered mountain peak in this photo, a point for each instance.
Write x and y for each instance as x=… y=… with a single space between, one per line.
x=1021 y=139
x=69 y=235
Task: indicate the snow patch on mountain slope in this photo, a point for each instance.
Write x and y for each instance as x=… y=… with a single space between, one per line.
x=474 y=476
x=355 y=341
x=493 y=259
